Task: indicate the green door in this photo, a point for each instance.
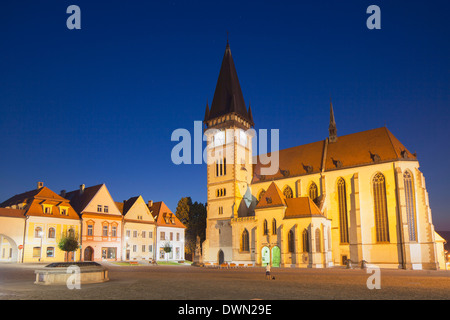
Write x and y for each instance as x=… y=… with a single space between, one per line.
x=265 y=254
x=276 y=256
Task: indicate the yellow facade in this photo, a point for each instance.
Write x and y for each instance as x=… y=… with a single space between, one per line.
x=41 y=243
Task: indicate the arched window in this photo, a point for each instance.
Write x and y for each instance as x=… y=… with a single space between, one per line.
x=265 y=228
x=312 y=192
x=51 y=233
x=410 y=205
x=260 y=194
x=342 y=201
x=274 y=226
x=287 y=192
x=305 y=239
x=38 y=232
x=380 y=208
x=245 y=241
x=318 y=246
x=291 y=244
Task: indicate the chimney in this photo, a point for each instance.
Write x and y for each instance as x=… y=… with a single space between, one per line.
x=40 y=185
x=82 y=188
x=63 y=193
x=150 y=203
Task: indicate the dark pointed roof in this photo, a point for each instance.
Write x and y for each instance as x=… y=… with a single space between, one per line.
x=206 y=112
x=228 y=97
x=332 y=127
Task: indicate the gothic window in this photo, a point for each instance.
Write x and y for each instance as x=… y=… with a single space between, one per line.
x=342 y=200
x=274 y=226
x=260 y=194
x=245 y=241
x=265 y=228
x=312 y=192
x=287 y=192
x=291 y=241
x=305 y=239
x=318 y=246
x=410 y=207
x=221 y=167
x=380 y=208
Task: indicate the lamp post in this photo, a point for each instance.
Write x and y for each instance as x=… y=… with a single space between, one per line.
x=41 y=235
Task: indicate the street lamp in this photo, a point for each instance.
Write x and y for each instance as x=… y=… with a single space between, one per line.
x=41 y=235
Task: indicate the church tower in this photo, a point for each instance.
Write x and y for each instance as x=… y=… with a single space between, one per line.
x=229 y=168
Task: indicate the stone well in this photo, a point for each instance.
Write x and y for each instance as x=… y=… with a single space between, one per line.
x=59 y=273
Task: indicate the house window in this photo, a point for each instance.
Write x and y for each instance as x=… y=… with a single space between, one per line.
x=245 y=241
x=50 y=252
x=171 y=236
x=90 y=230
x=143 y=248
x=274 y=226
x=162 y=236
x=342 y=201
x=143 y=234
x=109 y=253
x=220 y=210
x=128 y=233
x=114 y=231
x=134 y=234
x=150 y=248
x=178 y=237
x=36 y=252
x=410 y=205
x=105 y=209
x=38 y=232
x=150 y=234
x=64 y=212
x=47 y=209
x=105 y=231
x=51 y=233
x=99 y=208
x=380 y=208
x=265 y=228
x=134 y=248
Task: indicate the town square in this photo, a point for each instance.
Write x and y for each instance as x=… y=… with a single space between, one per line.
x=221 y=152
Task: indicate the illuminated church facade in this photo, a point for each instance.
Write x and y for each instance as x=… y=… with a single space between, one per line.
x=358 y=198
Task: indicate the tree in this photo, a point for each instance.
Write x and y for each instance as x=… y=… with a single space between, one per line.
x=183 y=209
x=167 y=249
x=193 y=216
x=68 y=242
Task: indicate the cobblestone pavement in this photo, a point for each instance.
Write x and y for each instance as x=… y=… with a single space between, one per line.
x=194 y=283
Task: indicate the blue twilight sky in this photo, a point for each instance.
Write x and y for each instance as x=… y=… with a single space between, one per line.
x=98 y=105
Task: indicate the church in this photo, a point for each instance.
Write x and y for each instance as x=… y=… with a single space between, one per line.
x=355 y=199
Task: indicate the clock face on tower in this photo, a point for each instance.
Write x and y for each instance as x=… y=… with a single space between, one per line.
x=219 y=139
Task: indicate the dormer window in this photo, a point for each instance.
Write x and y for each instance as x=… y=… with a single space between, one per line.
x=63 y=211
x=47 y=209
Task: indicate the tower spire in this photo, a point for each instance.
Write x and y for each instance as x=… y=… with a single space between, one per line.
x=228 y=98
x=332 y=130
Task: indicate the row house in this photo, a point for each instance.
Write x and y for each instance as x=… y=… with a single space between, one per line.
x=32 y=224
x=139 y=228
x=170 y=233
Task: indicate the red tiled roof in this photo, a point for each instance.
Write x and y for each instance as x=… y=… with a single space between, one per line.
x=361 y=148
